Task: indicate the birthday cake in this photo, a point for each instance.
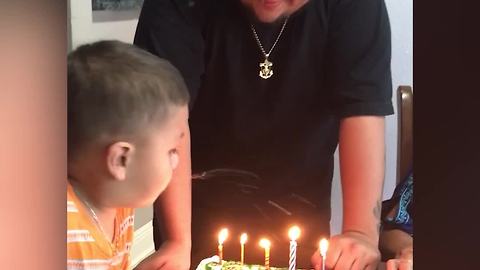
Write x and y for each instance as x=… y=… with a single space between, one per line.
x=212 y=263
x=218 y=263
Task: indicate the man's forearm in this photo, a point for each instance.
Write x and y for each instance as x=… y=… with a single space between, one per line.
x=362 y=161
x=174 y=205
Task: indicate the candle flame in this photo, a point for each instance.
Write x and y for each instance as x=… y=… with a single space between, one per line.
x=265 y=243
x=294 y=233
x=222 y=236
x=323 y=247
x=243 y=238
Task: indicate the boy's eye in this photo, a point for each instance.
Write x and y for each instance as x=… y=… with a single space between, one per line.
x=173 y=152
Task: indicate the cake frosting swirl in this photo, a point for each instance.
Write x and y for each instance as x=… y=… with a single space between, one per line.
x=212 y=263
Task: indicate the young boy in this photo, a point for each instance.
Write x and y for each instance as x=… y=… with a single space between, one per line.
x=127 y=112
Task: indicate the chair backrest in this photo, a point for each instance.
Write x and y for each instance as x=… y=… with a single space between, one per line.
x=405 y=131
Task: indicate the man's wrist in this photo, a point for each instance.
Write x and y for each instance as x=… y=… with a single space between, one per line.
x=369 y=235
x=186 y=243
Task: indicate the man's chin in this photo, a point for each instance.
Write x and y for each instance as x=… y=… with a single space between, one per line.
x=270 y=17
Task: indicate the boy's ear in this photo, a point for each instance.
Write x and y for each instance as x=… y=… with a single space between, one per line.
x=119 y=156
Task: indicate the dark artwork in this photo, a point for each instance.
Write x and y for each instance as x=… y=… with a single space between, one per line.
x=116 y=4
x=116 y=10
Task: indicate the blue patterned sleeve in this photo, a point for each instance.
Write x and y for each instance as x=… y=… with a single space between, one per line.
x=401 y=201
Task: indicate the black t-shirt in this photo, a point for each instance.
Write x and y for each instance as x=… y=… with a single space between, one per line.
x=332 y=61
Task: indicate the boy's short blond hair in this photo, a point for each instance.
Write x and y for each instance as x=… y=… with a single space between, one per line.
x=115 y=88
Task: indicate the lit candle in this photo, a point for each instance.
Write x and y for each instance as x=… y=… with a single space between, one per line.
x=264 y=243
x=222 y=236
x=243 y=240
x=323 y=251
x=293 y=233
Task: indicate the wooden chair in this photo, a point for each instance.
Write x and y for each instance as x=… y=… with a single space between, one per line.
x=405 y=131
x=404 y=158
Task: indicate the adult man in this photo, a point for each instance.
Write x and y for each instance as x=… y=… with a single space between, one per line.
x=275 y=85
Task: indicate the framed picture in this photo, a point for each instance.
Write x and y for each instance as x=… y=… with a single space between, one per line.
x=115 y=10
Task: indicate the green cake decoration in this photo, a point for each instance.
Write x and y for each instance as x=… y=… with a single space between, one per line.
x=212 y=264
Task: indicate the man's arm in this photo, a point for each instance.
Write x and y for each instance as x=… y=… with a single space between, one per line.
x=174 y=207
x=359 y=78
x=362 y=154
x=362 y=163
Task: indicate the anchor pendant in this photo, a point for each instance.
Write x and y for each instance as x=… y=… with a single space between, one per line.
x=266 y=70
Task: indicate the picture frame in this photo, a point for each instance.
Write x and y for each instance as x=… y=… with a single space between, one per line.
x=115 y=10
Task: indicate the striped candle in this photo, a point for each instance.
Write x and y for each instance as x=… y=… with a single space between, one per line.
x=293 y=233
x=293 y=255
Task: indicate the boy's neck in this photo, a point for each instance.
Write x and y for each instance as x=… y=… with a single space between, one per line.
x=98 y=212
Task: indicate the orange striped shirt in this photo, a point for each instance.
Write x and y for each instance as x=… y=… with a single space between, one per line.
x=87 y=247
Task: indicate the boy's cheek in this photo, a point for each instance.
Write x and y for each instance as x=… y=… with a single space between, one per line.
x=174 y=160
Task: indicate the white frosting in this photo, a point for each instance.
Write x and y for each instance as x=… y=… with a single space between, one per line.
x=204 y=262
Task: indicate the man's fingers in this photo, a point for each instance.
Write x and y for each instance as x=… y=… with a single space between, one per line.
x=371 y=266
x=344 y=262
x=370 y=262
x=154 y=261
x=316 y=261
x=332 y=256
x=166 y=266
x=172 y=266
x=406 y=265
x=359 y=264
x=399 y=264
x=392 y=264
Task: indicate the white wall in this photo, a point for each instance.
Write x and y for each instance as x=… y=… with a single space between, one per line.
x=84 y=30
x=401 y=20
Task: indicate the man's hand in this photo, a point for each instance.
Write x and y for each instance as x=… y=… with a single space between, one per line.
x=349 y=251
x=399 y=264
x=170 y=256
x=402 y=261
x=362 y=162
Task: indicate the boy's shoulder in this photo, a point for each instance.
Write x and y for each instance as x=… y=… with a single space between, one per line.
x=78 y=217
x=85 y=243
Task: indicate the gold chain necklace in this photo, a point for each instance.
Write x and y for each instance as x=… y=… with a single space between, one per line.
x=97 y=222
x=266 y=67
